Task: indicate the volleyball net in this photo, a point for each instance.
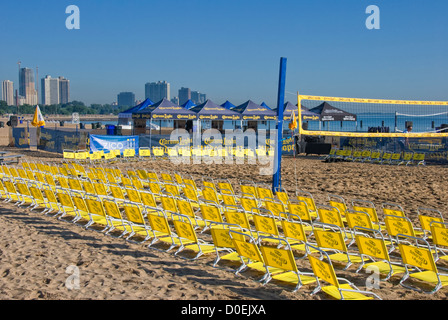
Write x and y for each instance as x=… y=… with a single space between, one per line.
x=371 y=118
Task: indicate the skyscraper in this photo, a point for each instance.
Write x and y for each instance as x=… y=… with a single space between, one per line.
x=157 y=91
x=50 y=90
x=27 y=88
x=64 y=90
x=198 y=97
x=126 y=99
x=8 y=92
x=184 y=95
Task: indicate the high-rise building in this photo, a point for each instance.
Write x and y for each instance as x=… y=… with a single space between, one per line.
x=184 y=95
x=198 y=97
x=157 y=91
x=8 y=92
x=126 y=99
x=50 y=91
x=27 y=88
x=175 y=100
x=64 y=90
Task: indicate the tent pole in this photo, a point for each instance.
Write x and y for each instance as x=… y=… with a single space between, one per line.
x=276 y=179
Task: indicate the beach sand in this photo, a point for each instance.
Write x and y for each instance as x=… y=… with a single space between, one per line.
x=38 y=253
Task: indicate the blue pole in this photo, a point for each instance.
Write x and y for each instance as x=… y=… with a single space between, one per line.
x=276 y=180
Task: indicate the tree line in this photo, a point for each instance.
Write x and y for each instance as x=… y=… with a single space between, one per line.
x=63 y=109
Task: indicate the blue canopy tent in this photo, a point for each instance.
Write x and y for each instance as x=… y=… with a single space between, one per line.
x=307 y=115
x=125 y=117
x=210 y=111
x=166 y=111
x=189 y=104
x=265 y=105
x=254 y=113
x=228 y=105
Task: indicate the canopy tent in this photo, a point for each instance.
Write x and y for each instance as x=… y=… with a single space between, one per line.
x=265 y=105
x=211 y=111
x=125 y=117
x=329 y=113
x=189 y=104
x=228 y=105
x=252 y=111
x=165 y=110
x=307 y=115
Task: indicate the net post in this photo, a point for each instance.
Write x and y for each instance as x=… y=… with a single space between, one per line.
x=276 y=179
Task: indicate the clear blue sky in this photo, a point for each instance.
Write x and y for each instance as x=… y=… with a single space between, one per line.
x=231 y=49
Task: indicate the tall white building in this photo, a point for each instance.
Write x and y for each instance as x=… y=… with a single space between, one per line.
x=157 y=91
x=8 y=92
x=50 y=91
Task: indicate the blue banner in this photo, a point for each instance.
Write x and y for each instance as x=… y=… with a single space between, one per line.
x=21 y=139
x=99 y=143
x=57 y=140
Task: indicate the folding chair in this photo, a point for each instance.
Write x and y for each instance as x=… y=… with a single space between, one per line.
x=67 y=205
x=115 y=217
x=439 y=232
x=295 y=233
x=358 y=219
x=248 y=187
x=211 y=213
x=277 y=259
x=356 y=156
x=162 y=231
x=264 y=192
x=222 y=241
x=331 y=238
x=407 y=158
x=209 y=193
x=331 y=215
x=300 y=208
x=397 y=226
x=185 y=207
x=427 y=216
x=386 y=157
x=265 y=223
x=82 y=210
x=337 y=202
x=392 y=209
x=366 y=155
x=369 y=208
x=250 y=256
x=395 y=158
x=372 y=245
x=39 y=198
x=308 y=198
x=375 y=157
x=24 y=193
x=419 y=263
x=417 y=159
x=235 y=216
x=323 y=271
x=225 y=187
x=188 y=238
x=136 y=221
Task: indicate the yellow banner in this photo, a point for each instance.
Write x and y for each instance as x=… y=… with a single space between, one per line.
x=383 y=101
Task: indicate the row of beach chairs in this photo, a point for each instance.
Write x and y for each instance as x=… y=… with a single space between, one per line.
x=163 y=153
x=291 y=240
x=376 y=156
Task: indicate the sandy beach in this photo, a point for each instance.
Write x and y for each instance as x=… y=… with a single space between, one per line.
x=38 y=252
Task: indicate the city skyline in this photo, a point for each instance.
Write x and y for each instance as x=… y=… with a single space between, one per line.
x=236 y=56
